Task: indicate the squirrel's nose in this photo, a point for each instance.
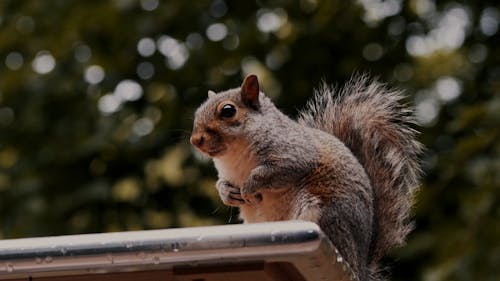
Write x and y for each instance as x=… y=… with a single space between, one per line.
x=196 y=139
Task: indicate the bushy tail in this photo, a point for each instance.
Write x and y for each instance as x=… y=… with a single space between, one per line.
x=374 y=123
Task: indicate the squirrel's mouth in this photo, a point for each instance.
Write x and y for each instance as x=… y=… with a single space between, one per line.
x=216 y=152
x=212 y=152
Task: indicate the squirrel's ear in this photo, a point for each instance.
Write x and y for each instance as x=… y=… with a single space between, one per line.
x=250 y=91
x=211 y=93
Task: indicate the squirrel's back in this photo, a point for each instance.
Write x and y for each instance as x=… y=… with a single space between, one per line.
x=376 y=126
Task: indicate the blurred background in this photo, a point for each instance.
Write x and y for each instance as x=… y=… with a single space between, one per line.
x=97 y=98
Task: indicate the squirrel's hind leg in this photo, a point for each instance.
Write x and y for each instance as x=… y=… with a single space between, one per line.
x=306 y=207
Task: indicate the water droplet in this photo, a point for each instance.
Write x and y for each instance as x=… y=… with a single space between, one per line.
x=111 y=259
x=175 y=247
x=339 y=259
x=38 y=260
x=64 y=251
x=141 y=255
x=48 y=259
x=10 y=267
x=156 y=260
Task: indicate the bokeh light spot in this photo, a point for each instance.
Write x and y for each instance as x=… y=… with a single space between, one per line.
x=14 y=60
x=43 y=63
x=373 y=51
x=218 y=8
x=477 y=53
x=216 y=32
x=109 y=103
x=489 y=21
x=143 y=126
x=175 y=52
x=194 y=41
x=94 y=74
x=145 y=70
x=25 y=24
x=82 y=53
x=146 y=47
x=448 y=88
x=271 y=20
x=427 y=108
x=128 y=90
x=149 y=5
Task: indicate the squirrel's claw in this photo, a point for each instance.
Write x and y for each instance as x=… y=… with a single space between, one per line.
x=251 y=197
x=229 y=193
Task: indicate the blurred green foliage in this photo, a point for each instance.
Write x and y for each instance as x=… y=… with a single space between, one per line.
x=96 y=103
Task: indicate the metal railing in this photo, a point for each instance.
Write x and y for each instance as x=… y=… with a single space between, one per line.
x=297 y=247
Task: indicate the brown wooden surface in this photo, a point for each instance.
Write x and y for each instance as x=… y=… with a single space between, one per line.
x=239 y=272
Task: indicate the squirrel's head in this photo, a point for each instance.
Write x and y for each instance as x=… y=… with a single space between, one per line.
x=220 y=121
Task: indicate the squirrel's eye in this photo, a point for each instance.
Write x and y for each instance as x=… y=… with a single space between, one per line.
x=228 y=111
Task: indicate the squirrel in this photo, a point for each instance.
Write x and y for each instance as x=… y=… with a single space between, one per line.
x=350 y=163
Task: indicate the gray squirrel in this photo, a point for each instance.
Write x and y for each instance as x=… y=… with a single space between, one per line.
x=349 y=163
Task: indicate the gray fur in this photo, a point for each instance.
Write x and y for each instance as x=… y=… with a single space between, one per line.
x=372 y=121
x=350 y=164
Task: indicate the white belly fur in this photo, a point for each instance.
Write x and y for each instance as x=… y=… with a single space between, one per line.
x=282 y=204
x=236 y=166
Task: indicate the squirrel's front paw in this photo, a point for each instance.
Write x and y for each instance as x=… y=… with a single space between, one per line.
x=229 y=193
x=250 y=196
